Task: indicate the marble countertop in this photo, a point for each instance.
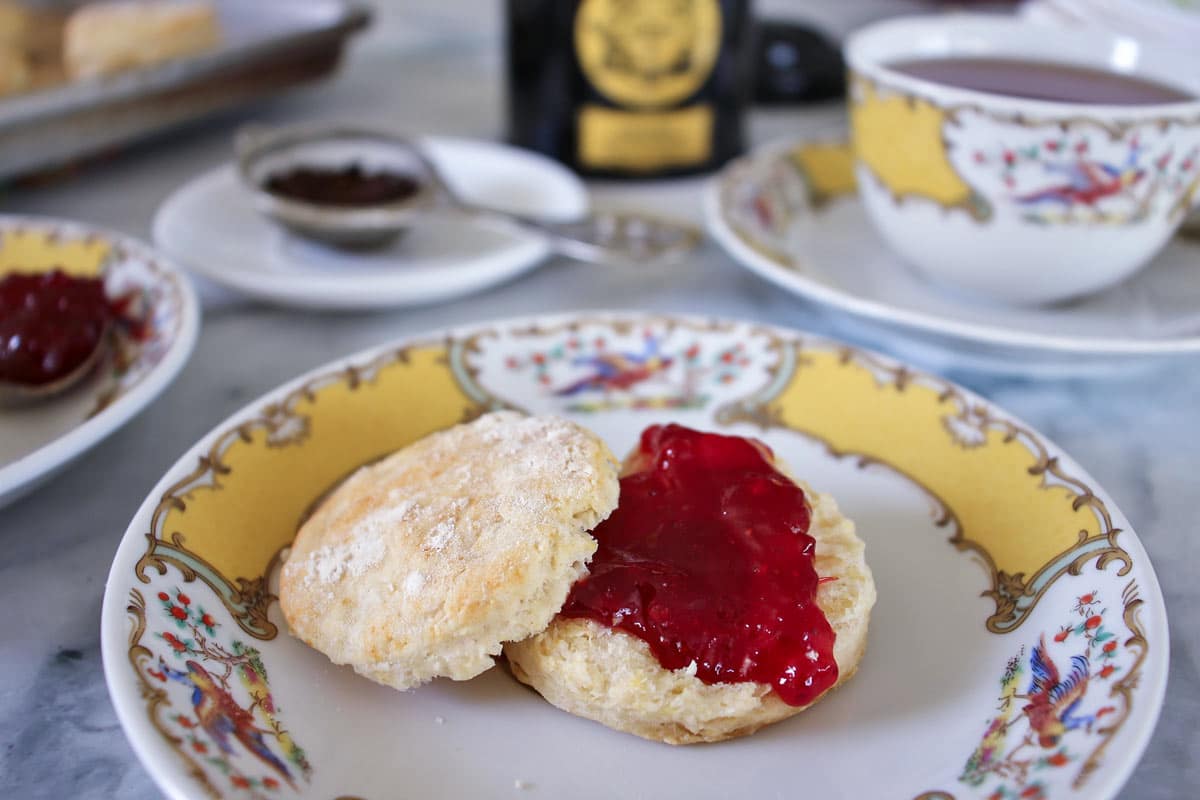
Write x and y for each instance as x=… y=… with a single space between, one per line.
x=1138 y=435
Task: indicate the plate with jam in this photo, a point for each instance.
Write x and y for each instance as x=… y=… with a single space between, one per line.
x=93 y=325
x=347 y=222
x=1017 y=649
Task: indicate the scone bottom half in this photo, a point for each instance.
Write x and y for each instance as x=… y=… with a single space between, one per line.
x=421 y=565
x=630 y=650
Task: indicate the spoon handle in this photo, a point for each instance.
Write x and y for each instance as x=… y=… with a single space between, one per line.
x=605 y=237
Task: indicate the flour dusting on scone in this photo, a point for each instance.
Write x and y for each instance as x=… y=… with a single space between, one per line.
x=423 y=564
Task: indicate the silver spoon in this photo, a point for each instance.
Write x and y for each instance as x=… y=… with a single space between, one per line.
x=601 y=238
x=14 y=395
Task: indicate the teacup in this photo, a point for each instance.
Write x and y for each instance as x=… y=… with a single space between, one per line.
x=1019 y=200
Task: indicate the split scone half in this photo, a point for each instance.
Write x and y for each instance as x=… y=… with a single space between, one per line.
x=423 y=564
x=612 y=677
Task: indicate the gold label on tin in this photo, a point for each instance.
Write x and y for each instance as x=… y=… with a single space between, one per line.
x=647 y=53
x=644 y=141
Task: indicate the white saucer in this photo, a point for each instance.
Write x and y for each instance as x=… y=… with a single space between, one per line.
x=763 y=211
x=210 y=225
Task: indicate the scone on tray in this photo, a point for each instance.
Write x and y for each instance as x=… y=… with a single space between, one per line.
x=609 y=675
x=15 y=73
x=104 y=38
x=423 y=564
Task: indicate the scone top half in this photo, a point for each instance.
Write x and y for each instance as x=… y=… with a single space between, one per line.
x=422 y=565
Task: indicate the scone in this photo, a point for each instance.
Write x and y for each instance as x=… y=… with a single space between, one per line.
x=423 y=564
x=30 y=46
x=15 y=71
x=110 y=37
x=610 y=675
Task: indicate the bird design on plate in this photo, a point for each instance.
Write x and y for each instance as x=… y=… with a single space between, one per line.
x=1040 y=732
x=221 y=717
x=1054 y=699
x=225 y=719
x=618 y=370
x=650 y=368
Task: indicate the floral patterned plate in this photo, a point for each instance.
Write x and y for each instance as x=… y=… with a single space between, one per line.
x=791 y=214
x=40 y=439
x=1018 y=649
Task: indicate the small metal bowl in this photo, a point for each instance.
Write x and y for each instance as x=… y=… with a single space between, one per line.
x=263 y=152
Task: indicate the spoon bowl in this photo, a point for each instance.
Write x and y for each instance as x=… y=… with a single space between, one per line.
x=16 y=395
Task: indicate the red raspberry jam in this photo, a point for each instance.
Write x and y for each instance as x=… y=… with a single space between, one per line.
x=50 y=324
x=708 y=559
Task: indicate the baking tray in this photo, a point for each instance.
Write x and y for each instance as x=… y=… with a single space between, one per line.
x=267 y=46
